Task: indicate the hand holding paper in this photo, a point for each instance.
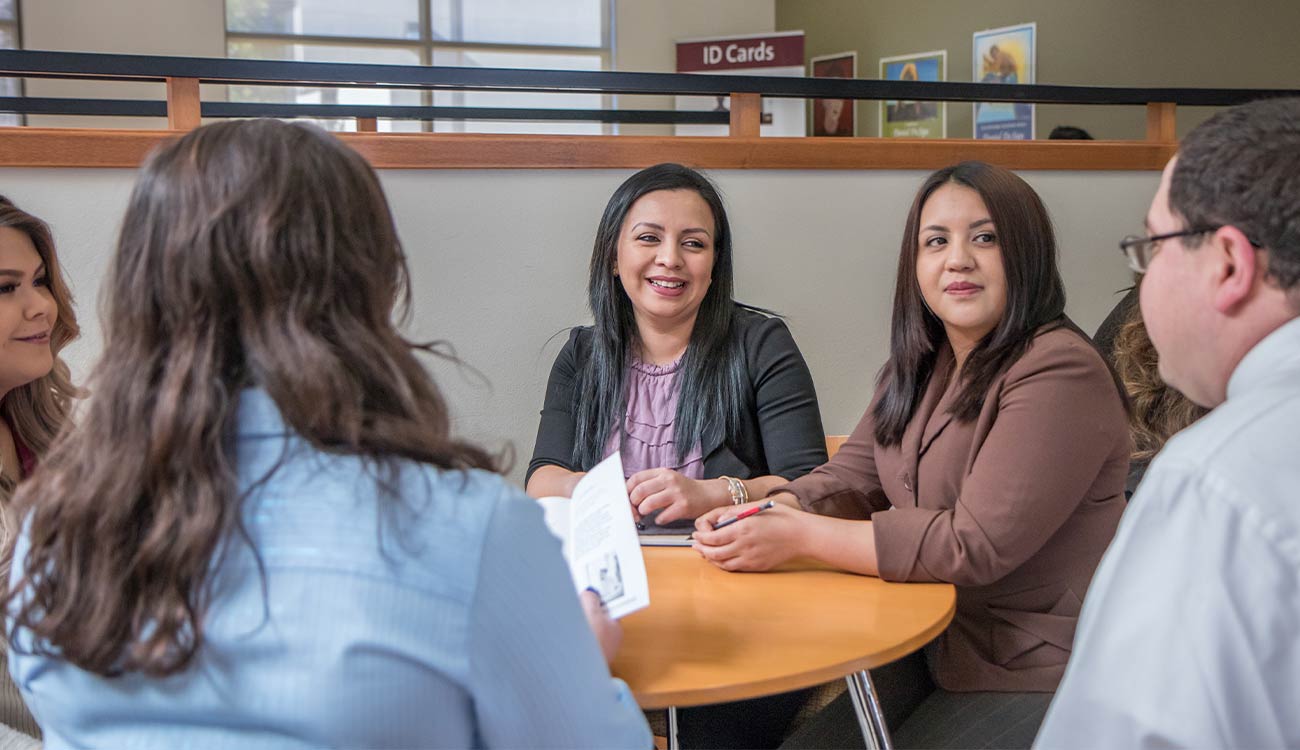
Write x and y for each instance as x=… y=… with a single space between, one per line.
x=599 y=538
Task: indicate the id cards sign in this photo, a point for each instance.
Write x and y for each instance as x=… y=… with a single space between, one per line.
x=776 y=54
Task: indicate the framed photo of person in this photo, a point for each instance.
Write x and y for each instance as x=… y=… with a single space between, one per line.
x=835 y=117
x=904 y=119
x=1005 y=55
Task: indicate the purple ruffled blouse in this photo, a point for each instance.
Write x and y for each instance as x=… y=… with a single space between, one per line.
x=652 y=392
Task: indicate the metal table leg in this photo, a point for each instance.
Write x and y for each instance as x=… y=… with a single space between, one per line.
x=871 y=719
x=672 y=729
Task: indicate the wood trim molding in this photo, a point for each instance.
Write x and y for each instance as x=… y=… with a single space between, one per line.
x=69 y=147
x=183 y=103
x=75 y=147
x=1161 y=122
x=746 y=115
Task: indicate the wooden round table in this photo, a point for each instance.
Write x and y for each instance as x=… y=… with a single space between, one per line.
x=711 y=636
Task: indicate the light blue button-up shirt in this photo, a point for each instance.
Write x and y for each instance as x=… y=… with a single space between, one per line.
x=1190 y=633
x=449 y=620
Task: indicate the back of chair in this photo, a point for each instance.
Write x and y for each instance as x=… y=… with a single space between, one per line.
x=833 y=443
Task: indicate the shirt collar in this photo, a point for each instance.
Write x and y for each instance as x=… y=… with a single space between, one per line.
x=1275 y=354
x=258 y=415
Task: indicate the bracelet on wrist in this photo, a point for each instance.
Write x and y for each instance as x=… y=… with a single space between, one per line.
x=739 y=494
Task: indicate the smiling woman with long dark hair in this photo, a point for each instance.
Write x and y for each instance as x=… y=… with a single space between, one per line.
x=263 y=533
x=708 y=402
x=993 y=456
x=685 y=382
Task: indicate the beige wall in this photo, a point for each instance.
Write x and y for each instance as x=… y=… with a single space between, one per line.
x=1161 y=43
x=194 y=28
x=499 y=262
x=155 y=27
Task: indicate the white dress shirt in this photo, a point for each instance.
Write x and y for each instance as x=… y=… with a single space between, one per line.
x=1190 y=633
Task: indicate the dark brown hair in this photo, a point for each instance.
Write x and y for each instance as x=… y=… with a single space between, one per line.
x=38 y=410
x=1240 y=167
x=252 y=254
x=1035 y=298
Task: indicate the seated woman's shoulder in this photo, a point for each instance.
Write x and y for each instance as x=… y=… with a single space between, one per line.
x=435 y=495
x=748 y=315
x=756 y=323
x=468 y=500
x=1061 y=346
x=579 y=338
x=478 y=486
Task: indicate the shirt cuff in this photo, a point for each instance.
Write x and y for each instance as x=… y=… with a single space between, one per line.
x=899 y=533
x=810 y=490
x=624 y=694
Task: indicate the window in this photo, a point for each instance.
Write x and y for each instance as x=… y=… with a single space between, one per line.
x=9 y=40
x=555 y=34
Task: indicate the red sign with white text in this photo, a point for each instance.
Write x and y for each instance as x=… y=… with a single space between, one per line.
x=761 y=51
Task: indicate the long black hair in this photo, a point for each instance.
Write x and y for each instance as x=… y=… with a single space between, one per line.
x=1035 y=298
x=713 y=393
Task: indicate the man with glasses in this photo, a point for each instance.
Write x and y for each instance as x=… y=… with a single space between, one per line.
x=1190 y=632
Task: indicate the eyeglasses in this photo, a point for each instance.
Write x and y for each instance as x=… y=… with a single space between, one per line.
x=1140 y=250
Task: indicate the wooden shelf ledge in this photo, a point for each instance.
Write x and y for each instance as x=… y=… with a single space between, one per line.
x=74 y=147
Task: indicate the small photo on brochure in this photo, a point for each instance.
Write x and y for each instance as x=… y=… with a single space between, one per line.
x=606 y=576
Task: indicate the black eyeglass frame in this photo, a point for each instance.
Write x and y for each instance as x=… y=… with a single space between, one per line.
x=1139 y=260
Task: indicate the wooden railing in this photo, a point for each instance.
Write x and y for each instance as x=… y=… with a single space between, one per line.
x=184 y=110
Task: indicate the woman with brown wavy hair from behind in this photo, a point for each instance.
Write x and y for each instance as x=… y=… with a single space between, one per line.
x=36 y=392
x=262 y=532
x=1157 y=410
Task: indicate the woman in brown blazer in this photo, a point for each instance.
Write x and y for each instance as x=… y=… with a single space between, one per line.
x=993 y=456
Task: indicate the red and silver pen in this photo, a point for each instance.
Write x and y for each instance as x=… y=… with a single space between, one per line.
x=744 y=514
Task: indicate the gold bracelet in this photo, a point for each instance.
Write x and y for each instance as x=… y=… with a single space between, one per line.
x=739 y=494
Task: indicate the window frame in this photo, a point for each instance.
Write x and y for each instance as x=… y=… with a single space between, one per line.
x=426 y=45
x=16 y=25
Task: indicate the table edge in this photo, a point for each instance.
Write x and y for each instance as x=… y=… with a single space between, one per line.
x=797 y=681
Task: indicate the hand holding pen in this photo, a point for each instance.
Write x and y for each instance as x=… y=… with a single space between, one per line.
x=744 y=514
x=760 y=544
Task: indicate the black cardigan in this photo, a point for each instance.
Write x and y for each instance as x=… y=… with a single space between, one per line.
x=781 y=434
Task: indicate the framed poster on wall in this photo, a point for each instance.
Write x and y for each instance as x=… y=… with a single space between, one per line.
x=914 y=119
x=1005 y=55
x=834 y=117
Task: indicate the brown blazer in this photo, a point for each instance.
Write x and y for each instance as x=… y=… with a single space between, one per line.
x=1014 y=508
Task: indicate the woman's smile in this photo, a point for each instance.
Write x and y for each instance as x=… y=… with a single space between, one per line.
x=667 y=286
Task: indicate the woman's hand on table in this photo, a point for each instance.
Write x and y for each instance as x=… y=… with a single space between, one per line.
x=675 y=496
x=760 y=542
